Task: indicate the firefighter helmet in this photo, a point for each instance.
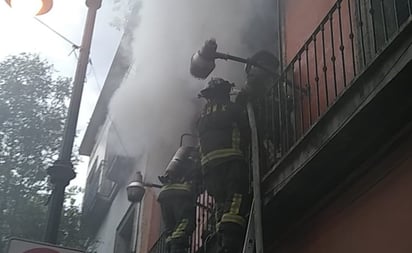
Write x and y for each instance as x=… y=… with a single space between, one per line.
x=264 y=58
x=258 y=79
x=216 y=87
x=184 y=162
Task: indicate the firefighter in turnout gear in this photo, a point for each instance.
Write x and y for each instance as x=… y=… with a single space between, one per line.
x=259 y=90
x=177 y=198
x=224 y=136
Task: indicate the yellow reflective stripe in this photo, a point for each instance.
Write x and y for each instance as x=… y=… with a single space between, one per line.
x=180 y=230
x=235 y=138
x=235 y=206
x=214 y=109
x=185 y=187
x=220 y=153
x=227 y=217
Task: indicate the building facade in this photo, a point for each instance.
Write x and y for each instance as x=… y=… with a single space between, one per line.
x=334 y=132
x=114 y=223
x=340 y=124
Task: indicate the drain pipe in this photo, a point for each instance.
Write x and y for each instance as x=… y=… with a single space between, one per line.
x=257 y=201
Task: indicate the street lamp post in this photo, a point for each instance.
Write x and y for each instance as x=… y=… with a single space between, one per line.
x=135 y=192
x=61 y=172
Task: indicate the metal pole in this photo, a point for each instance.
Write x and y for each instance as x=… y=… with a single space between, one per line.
x=62 y=170
x=257 y=202
x=243 y=60
x=135 y=229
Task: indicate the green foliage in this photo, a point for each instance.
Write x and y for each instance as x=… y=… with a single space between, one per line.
x=33 y=106
x=71 y=233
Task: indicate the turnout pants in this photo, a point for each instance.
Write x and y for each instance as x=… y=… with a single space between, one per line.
x=179 y=219
x=228 y=183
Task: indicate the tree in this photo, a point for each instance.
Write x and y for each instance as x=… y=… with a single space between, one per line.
x=33 y=106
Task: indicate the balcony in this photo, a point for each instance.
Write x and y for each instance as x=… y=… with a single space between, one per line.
x=98 y=196
x=205 y=226
x=343 y=96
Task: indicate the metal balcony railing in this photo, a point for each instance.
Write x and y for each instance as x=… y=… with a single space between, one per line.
x=346 y=42
x=205 y=225
x=205 y=221
x=348 y=39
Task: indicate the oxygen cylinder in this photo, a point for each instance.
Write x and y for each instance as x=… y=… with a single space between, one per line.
x=185 y=160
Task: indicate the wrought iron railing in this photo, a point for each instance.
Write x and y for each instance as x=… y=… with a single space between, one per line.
x=345 y=43
x=160 y=245
x=205 y=225
x=205 y=221
x=348 y=39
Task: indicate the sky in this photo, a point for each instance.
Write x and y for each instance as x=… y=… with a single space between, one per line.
x=67 y=17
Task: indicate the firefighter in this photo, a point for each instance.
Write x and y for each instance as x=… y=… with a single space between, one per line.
x=224 y=135
x=177 y=198
x=257 y=90
x=257 y=79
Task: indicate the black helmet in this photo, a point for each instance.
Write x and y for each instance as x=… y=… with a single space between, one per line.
x=264 y=58
x=216 y=87
x=257 y=79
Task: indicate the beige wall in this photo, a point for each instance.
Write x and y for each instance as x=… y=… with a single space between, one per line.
x=149 y=229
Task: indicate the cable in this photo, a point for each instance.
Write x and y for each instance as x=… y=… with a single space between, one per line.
x=75 y=46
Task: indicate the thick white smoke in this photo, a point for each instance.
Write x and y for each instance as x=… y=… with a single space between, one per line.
x=158 y=100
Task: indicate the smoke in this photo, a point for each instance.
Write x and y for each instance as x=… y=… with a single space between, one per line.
x=158 y=102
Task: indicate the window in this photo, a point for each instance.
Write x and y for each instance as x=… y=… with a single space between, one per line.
x=119 y=165
x=124 y=232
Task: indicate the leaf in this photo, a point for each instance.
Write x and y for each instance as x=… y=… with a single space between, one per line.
x=33 y=106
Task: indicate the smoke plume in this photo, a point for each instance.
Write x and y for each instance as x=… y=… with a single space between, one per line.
x=158 y=100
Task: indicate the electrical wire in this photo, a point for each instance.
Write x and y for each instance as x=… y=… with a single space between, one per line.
x=93 y=71
x=75 y=46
